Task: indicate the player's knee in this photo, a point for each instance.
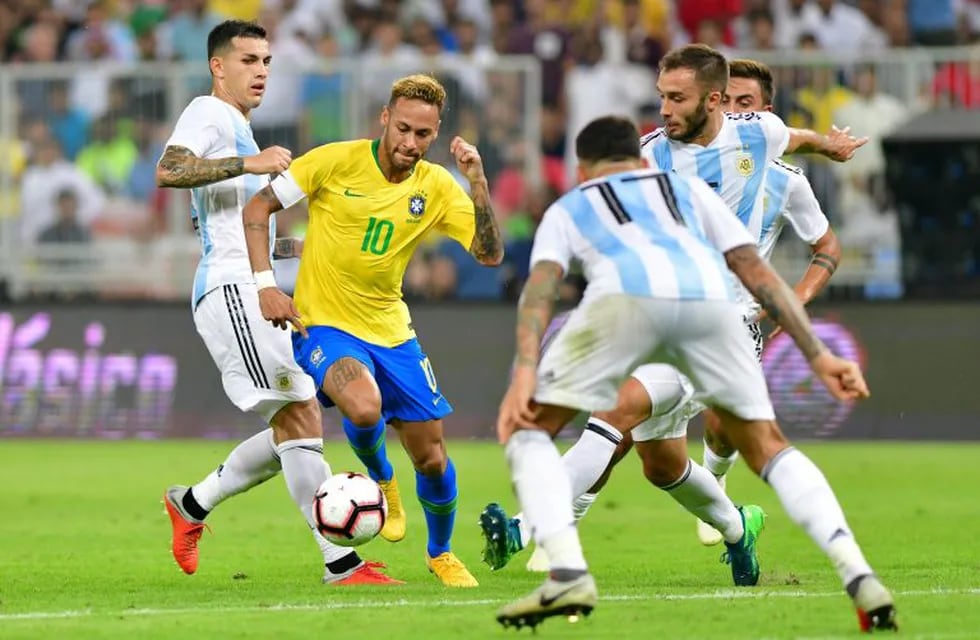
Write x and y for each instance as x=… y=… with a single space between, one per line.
x=298 y=420
x=432 y=463
x=363 y=412
x=662 y=473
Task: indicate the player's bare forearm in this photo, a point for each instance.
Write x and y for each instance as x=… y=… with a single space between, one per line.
x=487 y=246
x=534 y=310
x=255 y=218
x=824 y=259
x=805 y=141
x=181 y=169
x=287 y=248
x=776 y=297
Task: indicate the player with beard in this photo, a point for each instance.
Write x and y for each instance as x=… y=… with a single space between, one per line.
x=370 y=204
x=212 y=153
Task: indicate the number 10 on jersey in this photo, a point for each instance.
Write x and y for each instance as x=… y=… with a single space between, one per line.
x=377 y=236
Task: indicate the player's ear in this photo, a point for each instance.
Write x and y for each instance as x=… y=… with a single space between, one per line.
x=385 y=115
x=217 y=67
x=768 y=108
x=715 y=100
x=644 y=163
x=581 y=173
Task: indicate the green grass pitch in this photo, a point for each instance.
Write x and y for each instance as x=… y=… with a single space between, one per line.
x=84 y=553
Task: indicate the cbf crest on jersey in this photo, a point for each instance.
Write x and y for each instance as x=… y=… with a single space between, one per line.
x=744 y=164
x=416 y=204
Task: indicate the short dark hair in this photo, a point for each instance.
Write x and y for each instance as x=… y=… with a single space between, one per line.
x=709 y=66
x=608 y=138
x=221 y=36
x=754 y=70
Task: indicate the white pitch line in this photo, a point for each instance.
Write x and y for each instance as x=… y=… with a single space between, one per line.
x=725 y=594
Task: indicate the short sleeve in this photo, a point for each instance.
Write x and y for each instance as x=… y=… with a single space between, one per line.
x=552 y=241
x=776 y=132
x=721 y=226
x=302 y=179
x=457 y=219
x=198 y=128
x=803 y=211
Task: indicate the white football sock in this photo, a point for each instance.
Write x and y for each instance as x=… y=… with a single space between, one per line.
x=811 y=503
x=698 y=492
x=716 y=464
x=304 y=470
x=252 y=462
x=545 y=493
x=587 y=459
x=581 y=505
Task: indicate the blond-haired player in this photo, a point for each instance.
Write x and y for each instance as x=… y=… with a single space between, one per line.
x=370 y=204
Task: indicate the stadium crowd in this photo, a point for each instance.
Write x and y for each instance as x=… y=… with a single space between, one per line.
x=87 y=139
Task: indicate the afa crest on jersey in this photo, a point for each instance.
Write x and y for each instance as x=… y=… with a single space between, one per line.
x=744 y=164
x=416 y=204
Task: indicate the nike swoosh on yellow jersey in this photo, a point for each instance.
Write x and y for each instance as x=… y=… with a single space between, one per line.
x=351 y=194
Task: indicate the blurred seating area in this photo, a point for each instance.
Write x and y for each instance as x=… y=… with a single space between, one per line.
x=90 y=89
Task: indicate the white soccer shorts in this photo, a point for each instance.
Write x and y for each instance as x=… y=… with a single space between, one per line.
x=607 y=338
x=255 y=358
x=670 y=394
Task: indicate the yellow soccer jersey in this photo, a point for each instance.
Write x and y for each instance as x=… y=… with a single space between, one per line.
x=362 y=233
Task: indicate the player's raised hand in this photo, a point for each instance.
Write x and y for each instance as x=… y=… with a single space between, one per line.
x=269 y=160
x=841 y=145
x=468 y=159
x=842 y=377
x=279 y=309
x=517 y=408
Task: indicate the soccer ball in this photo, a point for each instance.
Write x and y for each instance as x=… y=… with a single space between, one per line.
x=349 y=509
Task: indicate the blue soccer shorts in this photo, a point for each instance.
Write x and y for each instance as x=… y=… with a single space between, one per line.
x=409 y=390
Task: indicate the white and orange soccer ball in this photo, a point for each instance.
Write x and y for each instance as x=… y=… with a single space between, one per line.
x=349 y=509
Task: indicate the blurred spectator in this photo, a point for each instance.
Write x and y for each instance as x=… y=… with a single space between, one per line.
x=874 y=114
x=790 y=21
x=636 y=31
x=932 y=23
x=292 y=47
x=760 y=31
x=322 y=95
x=144 y=21
x=387 y=58
x=101 y=37
x=39 y=43
x=710 y=33
x=188 y=29
x=841 y=28
x=957 y=84
x=546 y=41
x=66 y=229
x=473 y=60
x=237 y=9
x=48 y=175
x=816 y=103
x=594 y=87
x=109 y=158
x=68 y=124
x=142 y=178
x=692 y=13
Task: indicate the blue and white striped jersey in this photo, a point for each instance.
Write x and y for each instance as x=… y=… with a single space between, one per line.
x=212 y=128
x=789 y=198
x=733 y=164
x=644 y=233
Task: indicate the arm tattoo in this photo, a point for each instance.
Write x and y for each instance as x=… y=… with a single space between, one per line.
x=826 y=261
x=180 y=168
x=776 y=297
x=255 y=219
x=534 y=310
x=487 y=246
x=284 y=248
